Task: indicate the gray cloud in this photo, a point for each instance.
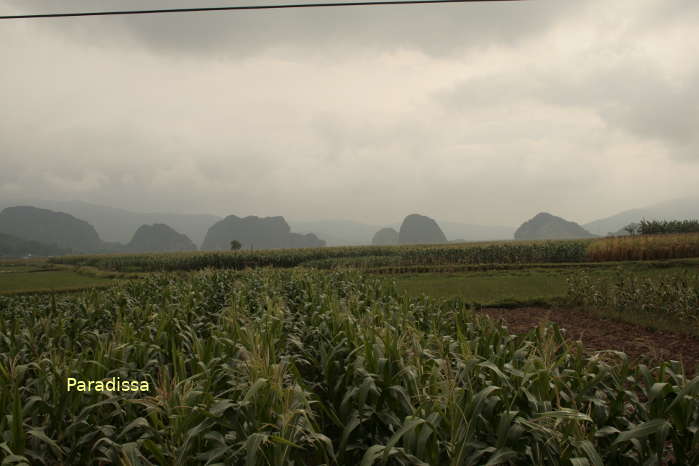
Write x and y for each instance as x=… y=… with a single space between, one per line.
x=475 y=113
x=433 y=29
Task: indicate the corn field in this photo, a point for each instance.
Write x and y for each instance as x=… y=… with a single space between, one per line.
x=644 y=247
x=302 y=367
x=641 y=247
x=675 y=295
x=369 y=256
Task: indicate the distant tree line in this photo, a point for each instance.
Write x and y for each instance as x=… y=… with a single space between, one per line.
x=658 y=227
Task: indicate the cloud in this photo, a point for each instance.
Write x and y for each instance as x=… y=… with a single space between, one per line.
x=472 y=113
x=436 y=30
x=635 y=79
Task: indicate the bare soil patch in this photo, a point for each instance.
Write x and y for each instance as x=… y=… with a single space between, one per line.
x=598 y=333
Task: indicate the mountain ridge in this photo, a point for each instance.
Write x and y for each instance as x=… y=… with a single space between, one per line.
x=686 y=208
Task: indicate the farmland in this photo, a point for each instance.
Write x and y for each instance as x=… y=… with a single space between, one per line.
x=53 y=280
x=304 y=367
x=35 y=276
x=373 y=355
x=646 y=247
x=468 y=253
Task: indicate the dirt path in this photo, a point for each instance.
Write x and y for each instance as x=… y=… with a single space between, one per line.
x=600 y=334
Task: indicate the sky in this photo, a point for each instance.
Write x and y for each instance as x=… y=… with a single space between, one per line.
x=481 y=113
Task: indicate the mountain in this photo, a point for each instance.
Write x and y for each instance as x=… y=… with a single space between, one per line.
x=547 y=226
x=118 y=225
x=350 y=233
x=11 y=246
x=258 y=233
x=677 y=209
x=49 y=227
x=337 y=232
x=418 y=229
x=385 y=237
x=159 y=238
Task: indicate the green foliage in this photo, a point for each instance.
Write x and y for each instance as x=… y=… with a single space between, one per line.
x=235 y=245
x=675 y=295
x=469 y=253
x=48 y=280
x=655 y=227
x=273 y=367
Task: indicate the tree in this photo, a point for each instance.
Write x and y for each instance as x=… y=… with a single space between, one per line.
x=632 y=228
x=235 y=245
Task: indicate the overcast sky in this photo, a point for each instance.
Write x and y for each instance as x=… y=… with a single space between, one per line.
x=476 y=113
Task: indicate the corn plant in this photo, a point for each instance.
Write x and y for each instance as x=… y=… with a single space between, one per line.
x=307 y=367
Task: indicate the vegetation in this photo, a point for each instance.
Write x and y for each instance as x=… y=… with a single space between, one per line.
x=524 y=252
x=659 y=227
x=650 y=304
x=496 y=288
x=656 y=227
x=303 y=367
x=673 y=295
x=51 y=280
x=644 y=247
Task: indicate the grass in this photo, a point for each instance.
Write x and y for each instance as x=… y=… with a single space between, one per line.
x=525 y=286
x=487 y=288
x=17 y=268
x=54 y=280
x=40 y=276
x=14 y=266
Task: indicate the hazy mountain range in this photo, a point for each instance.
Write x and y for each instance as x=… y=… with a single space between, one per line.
x=118 y=225
x=677 y=209
x=348 y=232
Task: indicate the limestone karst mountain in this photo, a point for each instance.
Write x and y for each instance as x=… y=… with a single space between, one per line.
x=11 y=246
x=257 y=233
x=49 y=227
x=418 y=229
x=546 y=226
x=385 y=237
x=159 y=238
x=116 y=225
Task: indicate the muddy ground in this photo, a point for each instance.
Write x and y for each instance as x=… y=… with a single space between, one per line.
x=597 y=333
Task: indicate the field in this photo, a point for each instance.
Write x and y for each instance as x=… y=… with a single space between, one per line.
x=646 y=247
x=38 y=276
x=482 y=353
x=47 y=281
x=303 y=367
x=533 y=284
